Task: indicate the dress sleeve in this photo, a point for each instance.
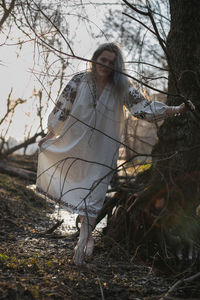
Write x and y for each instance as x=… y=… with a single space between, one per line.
x=63 y=105
x=142 y=108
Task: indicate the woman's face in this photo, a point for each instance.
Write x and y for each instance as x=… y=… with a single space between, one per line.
x=108 y=59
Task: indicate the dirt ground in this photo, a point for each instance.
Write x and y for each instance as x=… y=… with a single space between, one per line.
x=37 y=265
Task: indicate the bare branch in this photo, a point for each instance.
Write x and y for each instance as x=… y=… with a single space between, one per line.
x=54 y=227
x=11 y=106
x=141 y=23
x=161 y=41
x=7 y=11
x=145 y=63
x=24 y=144
x=58 y=30
x=135 y=9
x=179 y=282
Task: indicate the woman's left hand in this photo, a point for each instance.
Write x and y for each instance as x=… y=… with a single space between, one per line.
x=183 y=107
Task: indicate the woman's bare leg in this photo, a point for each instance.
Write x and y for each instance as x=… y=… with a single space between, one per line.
x=87 y=224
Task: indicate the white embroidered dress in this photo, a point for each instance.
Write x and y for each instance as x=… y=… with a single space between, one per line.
x=76 y=166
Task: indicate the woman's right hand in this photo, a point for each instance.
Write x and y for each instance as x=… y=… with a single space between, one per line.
x=47 y=137
x=42 y=141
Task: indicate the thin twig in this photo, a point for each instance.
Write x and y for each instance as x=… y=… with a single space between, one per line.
x=145 y=63
x=52 y=23
x=135 y=9
x=54 y=227
x=101 y=289
x=179 y=282
x=141 y=24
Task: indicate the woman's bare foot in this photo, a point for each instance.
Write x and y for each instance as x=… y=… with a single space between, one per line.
x=78 y=258
x=89 y=247
x=85 y=242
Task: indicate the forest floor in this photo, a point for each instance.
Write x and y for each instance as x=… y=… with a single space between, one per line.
x=38 y=265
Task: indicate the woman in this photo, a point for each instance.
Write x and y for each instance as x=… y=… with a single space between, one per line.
x=79 y=154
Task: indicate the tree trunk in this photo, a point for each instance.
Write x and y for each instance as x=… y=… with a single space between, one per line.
x=164 y=216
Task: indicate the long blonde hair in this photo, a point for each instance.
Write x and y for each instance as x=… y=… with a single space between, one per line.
x=119 y=80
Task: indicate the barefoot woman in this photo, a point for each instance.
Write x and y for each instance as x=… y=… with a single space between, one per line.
x=80 y=151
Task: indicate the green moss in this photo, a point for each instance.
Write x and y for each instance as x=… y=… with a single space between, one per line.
x=4 y=257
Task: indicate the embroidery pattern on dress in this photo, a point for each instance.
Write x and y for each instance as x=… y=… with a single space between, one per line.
x=135 y=96
x=67 y=97
x=69 y=92
x=64 y=114
x=140 y=115
x=57 y=107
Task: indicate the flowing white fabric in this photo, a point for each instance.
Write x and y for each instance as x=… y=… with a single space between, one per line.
x=76 y=166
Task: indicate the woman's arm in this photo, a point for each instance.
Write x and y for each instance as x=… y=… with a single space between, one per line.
x=63 y=106
x=182 y=108
x=152 y=110
x=62 y=109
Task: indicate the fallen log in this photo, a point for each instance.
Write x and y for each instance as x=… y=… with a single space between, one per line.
x=6 y=168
